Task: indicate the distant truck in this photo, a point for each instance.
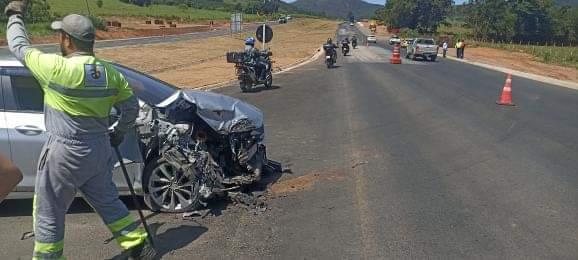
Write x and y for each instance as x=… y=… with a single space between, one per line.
x=373 y=26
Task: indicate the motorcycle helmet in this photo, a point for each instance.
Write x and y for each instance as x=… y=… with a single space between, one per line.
x=250 y=41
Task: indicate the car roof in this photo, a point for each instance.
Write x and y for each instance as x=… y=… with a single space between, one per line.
x=9 y=61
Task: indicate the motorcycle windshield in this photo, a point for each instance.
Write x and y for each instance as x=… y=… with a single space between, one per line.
x=222 y=113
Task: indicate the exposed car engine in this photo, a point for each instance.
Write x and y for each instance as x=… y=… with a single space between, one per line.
x=214 y=146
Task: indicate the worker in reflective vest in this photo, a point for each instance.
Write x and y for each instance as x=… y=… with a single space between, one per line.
x=79 y=93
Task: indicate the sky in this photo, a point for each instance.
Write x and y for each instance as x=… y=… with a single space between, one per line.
x=383 y=1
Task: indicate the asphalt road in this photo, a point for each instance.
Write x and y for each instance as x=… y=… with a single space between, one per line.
x=388 y=161
x=51 y=48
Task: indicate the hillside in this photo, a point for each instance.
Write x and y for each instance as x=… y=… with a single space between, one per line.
x=338 y=8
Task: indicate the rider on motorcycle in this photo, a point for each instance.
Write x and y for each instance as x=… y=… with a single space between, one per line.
x=330 y=47
x=345 y=42
x=354 y=40
x=253 y=58
x=345 y=45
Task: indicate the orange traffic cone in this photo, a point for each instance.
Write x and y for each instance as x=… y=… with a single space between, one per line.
x=506 y=98
x=396 y=55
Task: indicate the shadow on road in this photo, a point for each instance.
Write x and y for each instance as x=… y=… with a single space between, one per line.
x=23 y=207
x=262 y=88
x=177 y=237
x=172 y=239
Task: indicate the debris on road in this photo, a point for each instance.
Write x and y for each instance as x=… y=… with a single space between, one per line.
x=307 y=181
x=27 y=235
x=251 y=202
x=357 y=164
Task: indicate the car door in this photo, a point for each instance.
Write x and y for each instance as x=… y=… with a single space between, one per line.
x=26 y=130
x=24 y=119
x=4 y=142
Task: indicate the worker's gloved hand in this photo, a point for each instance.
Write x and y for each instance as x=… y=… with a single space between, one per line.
x=116 y=137
x=15 y=7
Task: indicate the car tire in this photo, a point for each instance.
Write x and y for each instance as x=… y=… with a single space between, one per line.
x=433 y=58
x=155 y=196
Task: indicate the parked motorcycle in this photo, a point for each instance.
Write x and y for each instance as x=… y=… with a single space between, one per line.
x=247 y=73
x=210 y=144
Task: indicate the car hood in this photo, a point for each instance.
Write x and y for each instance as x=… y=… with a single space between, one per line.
x=222 y=113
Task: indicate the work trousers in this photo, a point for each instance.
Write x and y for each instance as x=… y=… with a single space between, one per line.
x=65 y=167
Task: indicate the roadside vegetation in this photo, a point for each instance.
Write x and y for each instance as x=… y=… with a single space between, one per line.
x=182 y=13
x=246 y=6
x=43 y=12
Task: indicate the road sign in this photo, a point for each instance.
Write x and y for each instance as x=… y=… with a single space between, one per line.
x=264 y=32
x=236 y=23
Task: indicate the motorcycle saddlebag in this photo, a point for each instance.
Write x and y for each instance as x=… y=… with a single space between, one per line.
x=235 y=57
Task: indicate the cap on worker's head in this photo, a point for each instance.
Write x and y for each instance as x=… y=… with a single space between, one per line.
x=77 y=26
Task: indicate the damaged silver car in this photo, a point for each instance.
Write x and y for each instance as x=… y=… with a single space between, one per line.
x=199 y=144
x=191 y=145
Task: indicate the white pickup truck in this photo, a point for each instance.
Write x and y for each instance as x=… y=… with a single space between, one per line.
x=424 y=48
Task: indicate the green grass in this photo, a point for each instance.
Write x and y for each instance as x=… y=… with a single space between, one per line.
x=455 y=28
x=117 y=8
x=560 y=55
x=36 y=29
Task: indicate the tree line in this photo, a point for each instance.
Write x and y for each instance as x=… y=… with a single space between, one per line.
x=535 y=21
x=422 y=15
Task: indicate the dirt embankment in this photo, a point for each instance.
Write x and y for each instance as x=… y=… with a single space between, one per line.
x=198 y=63
x=518 y=61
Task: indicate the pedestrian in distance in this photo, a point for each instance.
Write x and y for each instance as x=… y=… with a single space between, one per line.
x=79 y=93
x=459 y=48
x=10 y=176
x=463 y=49
x=445 y=48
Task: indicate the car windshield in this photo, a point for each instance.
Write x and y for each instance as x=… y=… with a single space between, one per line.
x=426 y=41
x=148 y=89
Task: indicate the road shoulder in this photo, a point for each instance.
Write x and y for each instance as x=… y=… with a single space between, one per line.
x=540 y=78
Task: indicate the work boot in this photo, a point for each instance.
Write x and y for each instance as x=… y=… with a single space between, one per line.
x=146 y=251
